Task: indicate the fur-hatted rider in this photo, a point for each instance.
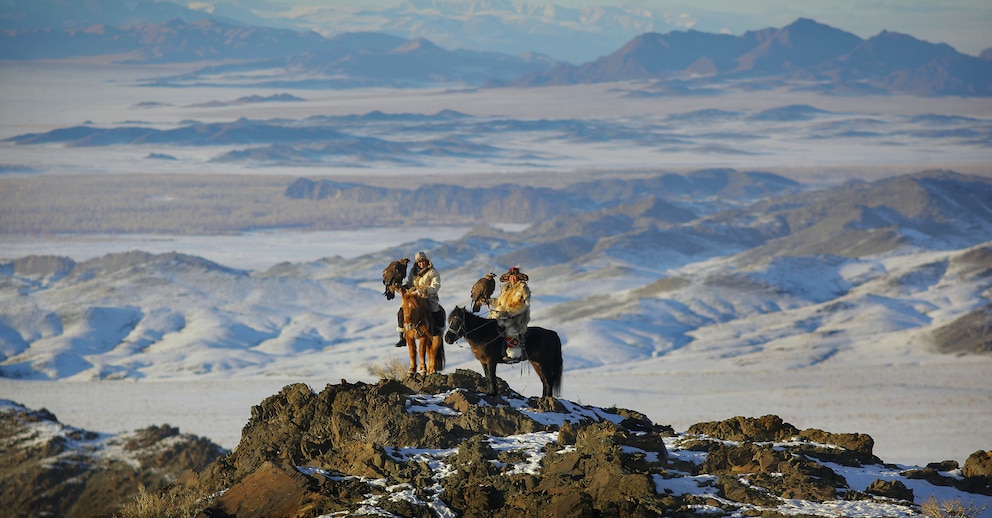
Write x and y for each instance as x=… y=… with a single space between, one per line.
x=426 y=281
x=512 y=313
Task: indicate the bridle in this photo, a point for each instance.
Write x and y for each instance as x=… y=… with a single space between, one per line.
x=459 y=330
x=455 y=331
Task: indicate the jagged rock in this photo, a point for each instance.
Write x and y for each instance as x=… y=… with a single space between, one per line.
x=944 y=465
x=365 y=446
x=973 y=481
x=979 y=464
x=50 y=469
x=375 y=432
x=270 y=491
x=978 y=473
x=566 y=435
x=765 y=428
x=437 y=445
x=855 y=448
x=770 y=473
x=891 y=489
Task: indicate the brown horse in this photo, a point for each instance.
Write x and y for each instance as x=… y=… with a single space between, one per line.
x=417 y=327
x=543 y=348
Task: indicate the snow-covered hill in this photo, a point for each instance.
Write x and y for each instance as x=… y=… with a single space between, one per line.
x=143 y=316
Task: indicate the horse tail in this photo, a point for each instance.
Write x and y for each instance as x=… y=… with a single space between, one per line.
x=439 y=356
x=556 y=365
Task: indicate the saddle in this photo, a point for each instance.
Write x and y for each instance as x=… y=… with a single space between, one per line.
x=512 y=342
x=438 y=319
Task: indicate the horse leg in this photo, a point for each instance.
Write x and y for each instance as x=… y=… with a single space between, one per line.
x=411 y=345
x=437 y=354
x=545 y=384
x=491 y=375
x=431 y=348
x=423 y=352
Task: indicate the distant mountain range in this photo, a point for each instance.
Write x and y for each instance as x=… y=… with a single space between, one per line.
x=575 y=34
x=818 y=56
x=827 y=58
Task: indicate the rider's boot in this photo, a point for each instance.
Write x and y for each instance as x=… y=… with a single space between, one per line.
x=401 y=342
x=514 y=351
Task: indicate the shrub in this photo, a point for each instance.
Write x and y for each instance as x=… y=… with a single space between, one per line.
x=932 y=508
x=175 y=501
x=393 y=368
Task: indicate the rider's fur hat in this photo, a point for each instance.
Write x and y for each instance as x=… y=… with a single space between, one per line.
x=421 y=255
x=513 y=271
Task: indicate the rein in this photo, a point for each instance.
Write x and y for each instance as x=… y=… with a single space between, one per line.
x=465 y=333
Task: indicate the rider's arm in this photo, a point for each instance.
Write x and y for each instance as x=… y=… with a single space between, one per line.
x=431 y=284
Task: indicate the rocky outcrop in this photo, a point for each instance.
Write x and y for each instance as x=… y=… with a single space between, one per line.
x=50 y=469
x=436 y=445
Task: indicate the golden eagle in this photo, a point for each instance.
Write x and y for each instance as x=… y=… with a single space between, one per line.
x=482 y=291
x=393 y=275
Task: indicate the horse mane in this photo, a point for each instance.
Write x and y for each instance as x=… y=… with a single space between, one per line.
x=473 y=321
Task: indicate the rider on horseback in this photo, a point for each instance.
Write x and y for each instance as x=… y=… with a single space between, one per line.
x=426 y=281
x=512 y=313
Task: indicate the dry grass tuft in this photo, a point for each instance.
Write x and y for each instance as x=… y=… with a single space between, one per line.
x=393 y=368
x=175 y=501
x=932 y=508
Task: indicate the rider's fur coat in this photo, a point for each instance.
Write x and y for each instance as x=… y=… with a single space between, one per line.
x=512 y=308
x=427 y=282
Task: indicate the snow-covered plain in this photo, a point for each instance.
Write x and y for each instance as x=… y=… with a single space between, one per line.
x=693 y=355
x=548 y=130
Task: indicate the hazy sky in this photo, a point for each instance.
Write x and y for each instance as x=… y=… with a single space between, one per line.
x=964 y=24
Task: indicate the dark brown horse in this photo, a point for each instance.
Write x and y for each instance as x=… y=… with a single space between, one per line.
x=543 y=348
x=417 y=327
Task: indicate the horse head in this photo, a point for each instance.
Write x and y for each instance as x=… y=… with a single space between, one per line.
x=456 y=325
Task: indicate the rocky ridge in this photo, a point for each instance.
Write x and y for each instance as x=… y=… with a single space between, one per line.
x=437 y=446
x=51 y=469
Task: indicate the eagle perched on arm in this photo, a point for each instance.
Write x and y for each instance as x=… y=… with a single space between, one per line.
x=482 y=291
x=393 y=275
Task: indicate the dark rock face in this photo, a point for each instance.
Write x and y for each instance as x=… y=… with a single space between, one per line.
x=349 y=435
x=436 y=445
x=49 y=469
x=892 y=489
x=979 y=464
